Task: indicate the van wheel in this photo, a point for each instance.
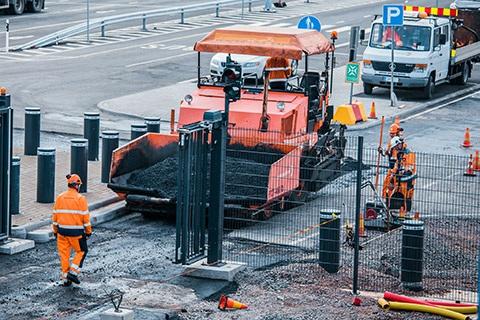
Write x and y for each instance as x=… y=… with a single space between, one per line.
x=367 y=88
x=35 y=6
x=429 y=88
x=17 y=7
x=462 y=80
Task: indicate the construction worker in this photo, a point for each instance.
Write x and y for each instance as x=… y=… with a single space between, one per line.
x=387 y=36
x=395 y=132
x=71 y=226
x=278 y=70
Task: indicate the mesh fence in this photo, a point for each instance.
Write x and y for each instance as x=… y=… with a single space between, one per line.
x=293 y=201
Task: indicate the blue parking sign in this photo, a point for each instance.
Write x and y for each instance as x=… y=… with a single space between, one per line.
x=309 y=22
x=392 y=15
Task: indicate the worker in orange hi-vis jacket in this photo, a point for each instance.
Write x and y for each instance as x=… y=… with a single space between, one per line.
x=71 y=226
x=279 y=69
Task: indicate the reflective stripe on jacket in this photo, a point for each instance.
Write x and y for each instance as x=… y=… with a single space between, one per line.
x=279 y=68
x=70 y=214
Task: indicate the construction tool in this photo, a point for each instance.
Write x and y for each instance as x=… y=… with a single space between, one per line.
x=380 y=143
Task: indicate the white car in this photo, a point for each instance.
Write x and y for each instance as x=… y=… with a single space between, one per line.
x=252 y=66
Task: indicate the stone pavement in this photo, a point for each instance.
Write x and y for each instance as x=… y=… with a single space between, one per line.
x=33 y=214
x=159 y=102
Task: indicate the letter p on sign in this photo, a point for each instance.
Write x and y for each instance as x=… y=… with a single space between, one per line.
x=392 y=15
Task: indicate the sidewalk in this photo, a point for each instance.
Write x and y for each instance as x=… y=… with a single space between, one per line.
x=159 y=102
x=34 y=215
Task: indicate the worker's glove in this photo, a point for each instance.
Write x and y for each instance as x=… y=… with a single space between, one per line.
x=55 y=235
x=380 y=150
x=88 y=235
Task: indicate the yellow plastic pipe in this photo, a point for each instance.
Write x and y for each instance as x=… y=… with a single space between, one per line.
x=464 y=310
x=390 y=305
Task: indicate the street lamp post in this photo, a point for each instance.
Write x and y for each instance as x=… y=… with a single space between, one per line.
x=88 y=21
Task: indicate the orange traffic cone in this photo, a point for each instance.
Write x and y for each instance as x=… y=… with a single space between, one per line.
x=476 y=161
x=373 y=114
x=361 y=227
x=470 y=169
x=228 y=303
x=466 y=139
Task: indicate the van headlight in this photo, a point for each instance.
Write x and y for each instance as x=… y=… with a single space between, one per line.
x=420 y=67
x=367 y=64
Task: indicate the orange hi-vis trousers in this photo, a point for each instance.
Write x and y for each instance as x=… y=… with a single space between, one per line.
x=65 y=245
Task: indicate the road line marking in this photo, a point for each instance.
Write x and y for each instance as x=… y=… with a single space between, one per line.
x=21 y=37
x=159 y=60
x=189 y=80
x=339 y=30
x=104 y=11
x=280 y=25
x=439 y=107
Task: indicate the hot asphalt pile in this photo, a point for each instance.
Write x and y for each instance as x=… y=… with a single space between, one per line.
x=295 y=291
x=244 y=178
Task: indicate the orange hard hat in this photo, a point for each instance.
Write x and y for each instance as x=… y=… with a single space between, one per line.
x=395 y=128
x=73 y=180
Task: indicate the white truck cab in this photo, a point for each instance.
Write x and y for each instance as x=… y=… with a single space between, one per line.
x=422 y=54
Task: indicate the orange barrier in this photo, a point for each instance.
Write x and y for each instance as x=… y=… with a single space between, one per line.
x=470 y=169
x=228 y=303
x=466 y=139
x=373 y=113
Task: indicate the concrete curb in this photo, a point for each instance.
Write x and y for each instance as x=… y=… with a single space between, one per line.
x=418 y=108
x=103 y=108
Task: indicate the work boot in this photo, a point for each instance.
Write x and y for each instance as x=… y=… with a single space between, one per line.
x=66 y=283
x=73 y=278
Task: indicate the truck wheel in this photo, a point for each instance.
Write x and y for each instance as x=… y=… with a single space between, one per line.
x=462 y=80
x=429 y=88
x=35 y=6
x=367 y=88
x=17 y=7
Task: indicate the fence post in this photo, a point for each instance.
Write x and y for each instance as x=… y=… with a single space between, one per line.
x=109 y=143
x=79 y=161
x=32 y=131
x=217 y=191
x=358 y=199
x=15 y=186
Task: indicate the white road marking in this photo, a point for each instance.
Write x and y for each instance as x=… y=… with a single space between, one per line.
x=22 y=37
x=439 y=107
x=189 y=80
x=158 y=60
x=104 y=11
x=339 y=30
x=281 y=25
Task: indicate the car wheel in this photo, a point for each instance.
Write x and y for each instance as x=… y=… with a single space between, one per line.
x=367 y=88
x=429 y=88
x=35 y=6
x=18 y=7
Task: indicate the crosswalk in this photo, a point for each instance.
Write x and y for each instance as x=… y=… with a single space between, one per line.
x=254 y=18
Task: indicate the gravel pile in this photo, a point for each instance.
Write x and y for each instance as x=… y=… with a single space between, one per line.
x=244 y=178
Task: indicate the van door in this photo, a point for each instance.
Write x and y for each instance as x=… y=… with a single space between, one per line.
x=445 y=51
x=441 y=53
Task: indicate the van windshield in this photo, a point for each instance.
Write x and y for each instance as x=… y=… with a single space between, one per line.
x=408 y=38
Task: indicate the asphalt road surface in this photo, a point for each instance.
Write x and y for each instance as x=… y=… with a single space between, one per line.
x=71 y=78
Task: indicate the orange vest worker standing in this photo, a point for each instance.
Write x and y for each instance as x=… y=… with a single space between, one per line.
x=71 y=226
x=279 y=70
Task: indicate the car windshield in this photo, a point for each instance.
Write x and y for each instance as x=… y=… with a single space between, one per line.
x=408 y=38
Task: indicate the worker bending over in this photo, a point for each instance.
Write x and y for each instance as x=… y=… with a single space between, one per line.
x=278 y=70
x=71 y=226
x=395 y=132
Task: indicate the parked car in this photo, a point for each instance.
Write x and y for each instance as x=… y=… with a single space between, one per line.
x=252 y=66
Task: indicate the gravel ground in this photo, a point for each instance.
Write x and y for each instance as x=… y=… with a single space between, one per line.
x=295 y=291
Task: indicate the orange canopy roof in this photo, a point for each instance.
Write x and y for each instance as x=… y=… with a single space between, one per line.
x=265 y=41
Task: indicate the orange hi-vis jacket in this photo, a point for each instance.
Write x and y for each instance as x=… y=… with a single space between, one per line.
x=70 y=214
x=279 y=68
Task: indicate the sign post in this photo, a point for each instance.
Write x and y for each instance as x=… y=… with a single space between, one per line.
x=88 y=21
x=7 y=35
x=392 y=17
x=352 y=74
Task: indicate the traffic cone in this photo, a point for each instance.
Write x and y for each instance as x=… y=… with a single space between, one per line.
x=476 y=161
x=361 y=227
x=373 y=114
x=466 y=139
x=228 y=303
x=470 y=169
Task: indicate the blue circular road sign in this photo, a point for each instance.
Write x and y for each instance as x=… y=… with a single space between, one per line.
x=309 y=22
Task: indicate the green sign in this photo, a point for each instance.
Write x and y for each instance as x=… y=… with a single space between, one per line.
x=352 y=73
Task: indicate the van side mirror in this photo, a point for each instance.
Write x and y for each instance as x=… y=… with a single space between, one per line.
x=362 y=34
x=443 y=39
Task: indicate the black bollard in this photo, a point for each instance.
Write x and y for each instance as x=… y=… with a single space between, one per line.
x=329 y=235
x=15 y=186
x=6 y=118
x=79 y=161
x=46 y=175
x=138 y=130
x=412 y=255
x=153 y=124
x=109 y=143
x=91 y=132
x=32 y=131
